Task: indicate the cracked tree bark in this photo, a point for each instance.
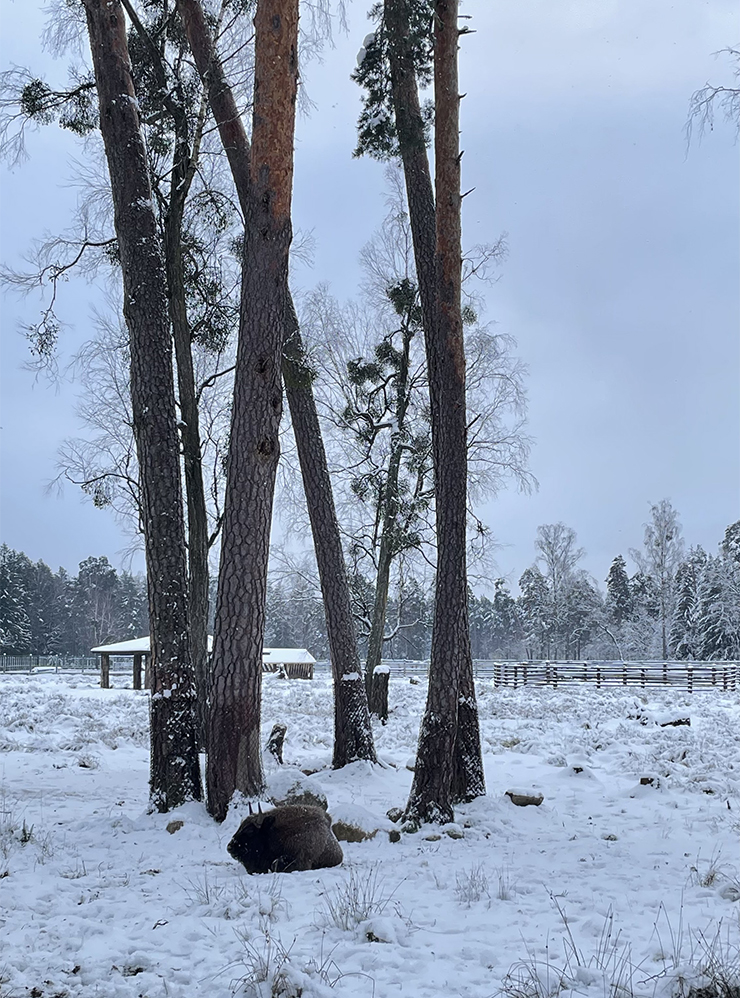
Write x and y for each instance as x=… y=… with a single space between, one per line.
x=234 y=761
x=449 y=764
x=174 y=774
x=353 y=738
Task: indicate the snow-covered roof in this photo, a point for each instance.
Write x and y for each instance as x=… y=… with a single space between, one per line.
x=141 y=646
x=287 y=655
x=132 y=647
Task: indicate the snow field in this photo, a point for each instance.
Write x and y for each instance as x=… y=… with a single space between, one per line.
x=609 y=881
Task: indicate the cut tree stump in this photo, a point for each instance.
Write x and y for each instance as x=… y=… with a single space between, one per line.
x=379 y=692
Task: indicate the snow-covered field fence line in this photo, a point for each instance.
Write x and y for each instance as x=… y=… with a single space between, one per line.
x=51 y=663
x=687 y=676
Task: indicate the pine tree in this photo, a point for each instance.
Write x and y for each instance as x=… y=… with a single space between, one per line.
x=731 y=543
x=248 y=163
x=396 y=460
x=449 y=763
x=507 y=630
x=719 y=616
x=619 y=600
x=15 y=624
x=174 y=763
x=583 y=608
x=538 y=613
x=685 y=640
x=132 y=612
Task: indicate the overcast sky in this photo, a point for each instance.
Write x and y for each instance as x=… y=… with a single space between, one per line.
x=621 y=286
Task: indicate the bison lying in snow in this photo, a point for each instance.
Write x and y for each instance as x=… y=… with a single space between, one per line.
x=290 y=837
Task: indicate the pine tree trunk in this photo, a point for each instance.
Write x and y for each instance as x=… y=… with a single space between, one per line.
x=181 y=177
x=383 y=577
x=353 y=732
x=353 y=736
x=387 y=531
x=377 y=626
x=449 y=764
x=197 y=516
x=175 y=775
x=234 y=754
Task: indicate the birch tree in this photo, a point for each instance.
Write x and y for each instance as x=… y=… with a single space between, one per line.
x=659 y=559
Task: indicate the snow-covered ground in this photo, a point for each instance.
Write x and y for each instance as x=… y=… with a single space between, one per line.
x=609 y=880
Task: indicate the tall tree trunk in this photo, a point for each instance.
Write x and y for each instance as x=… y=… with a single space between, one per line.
x=449 y=762
x=388 y=549
x=197 y=515
x=175 y=775
x=449 y=386
x=353 y=737
x=182 y=174
x=234 y=759
x=380 y=609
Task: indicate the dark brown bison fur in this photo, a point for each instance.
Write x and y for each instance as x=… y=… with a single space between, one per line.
x=288 y=838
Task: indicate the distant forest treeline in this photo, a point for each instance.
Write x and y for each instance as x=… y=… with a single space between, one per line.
x=681 y=604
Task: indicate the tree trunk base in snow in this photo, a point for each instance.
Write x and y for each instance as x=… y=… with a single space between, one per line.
x=379 y=692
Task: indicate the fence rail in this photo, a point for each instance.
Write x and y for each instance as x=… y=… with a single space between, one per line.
x=688 y=676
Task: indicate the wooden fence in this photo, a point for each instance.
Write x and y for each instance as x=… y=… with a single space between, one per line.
x=49 y=663
x=688 y=676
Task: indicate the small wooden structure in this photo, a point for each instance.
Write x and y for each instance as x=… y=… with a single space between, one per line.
x=295 y=663
x=137 y=648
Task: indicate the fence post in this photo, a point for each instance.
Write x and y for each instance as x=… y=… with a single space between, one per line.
x=690 y=677
x=105 y=671
x=137 y=671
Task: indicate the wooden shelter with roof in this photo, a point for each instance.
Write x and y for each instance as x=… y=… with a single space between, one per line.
x=295 y=663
